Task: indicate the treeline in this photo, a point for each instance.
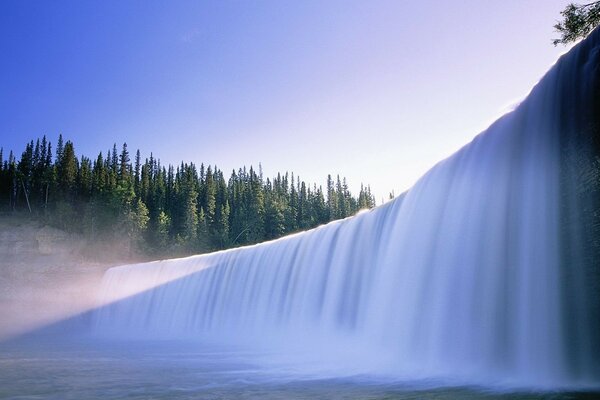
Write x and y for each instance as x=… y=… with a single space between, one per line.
x=165 y=210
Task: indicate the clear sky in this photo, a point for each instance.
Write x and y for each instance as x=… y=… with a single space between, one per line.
x=377 y=91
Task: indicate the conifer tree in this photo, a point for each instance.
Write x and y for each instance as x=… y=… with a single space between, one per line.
x=136 y=172
x=59 y=148
x=124 y=170
x=67 y=171
x=166 y=211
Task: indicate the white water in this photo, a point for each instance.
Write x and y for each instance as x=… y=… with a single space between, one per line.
x=458 y=279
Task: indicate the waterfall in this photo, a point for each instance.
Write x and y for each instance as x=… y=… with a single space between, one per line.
x=486 y=270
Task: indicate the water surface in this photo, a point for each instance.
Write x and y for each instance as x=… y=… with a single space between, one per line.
x=83 y=369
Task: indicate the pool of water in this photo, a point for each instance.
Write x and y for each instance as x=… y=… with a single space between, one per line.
x=83 y=369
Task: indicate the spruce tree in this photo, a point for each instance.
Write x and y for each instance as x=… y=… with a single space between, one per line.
x=124 y=165
x=155 y=207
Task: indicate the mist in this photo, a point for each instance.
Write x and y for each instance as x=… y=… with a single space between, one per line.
x=48 y=275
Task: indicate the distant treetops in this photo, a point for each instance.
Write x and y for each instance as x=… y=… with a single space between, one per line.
x=166 y=210
x=578 y=21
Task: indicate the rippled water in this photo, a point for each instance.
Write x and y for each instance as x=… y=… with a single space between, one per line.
x=167 y=370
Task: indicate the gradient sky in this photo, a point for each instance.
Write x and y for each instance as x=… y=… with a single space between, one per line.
x=377 y=91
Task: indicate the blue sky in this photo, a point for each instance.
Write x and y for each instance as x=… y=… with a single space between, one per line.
x=376 y=91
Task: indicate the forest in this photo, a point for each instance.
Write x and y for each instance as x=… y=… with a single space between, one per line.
x=160 y=210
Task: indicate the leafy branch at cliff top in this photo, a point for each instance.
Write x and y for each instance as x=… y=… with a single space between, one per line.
x=578 y=21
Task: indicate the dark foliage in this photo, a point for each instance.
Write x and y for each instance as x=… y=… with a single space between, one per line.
x=578 y=21
x=161 y=210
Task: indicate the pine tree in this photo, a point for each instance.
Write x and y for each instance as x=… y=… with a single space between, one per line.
x=190 y=216
x=124 y=165
x=210 y=200
x=274 y=216
x=59 y=149
x=84 y=179
x=136 y=172
x=23 y=175
x=99 y=176
x=67 y=170
x=332 y=212
x=163 y=227
x=166 y=210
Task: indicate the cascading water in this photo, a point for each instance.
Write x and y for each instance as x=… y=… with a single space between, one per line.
x=486 y=270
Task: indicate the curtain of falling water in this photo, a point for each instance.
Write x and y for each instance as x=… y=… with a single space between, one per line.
x=480 y=270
